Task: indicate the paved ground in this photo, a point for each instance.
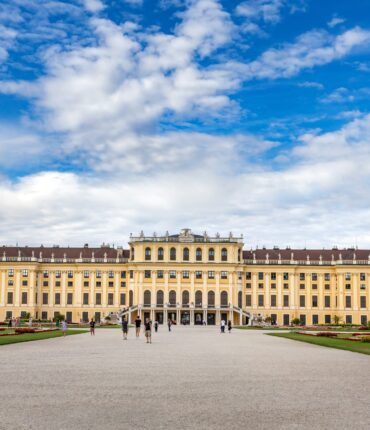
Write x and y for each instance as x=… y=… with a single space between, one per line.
x=192 y=378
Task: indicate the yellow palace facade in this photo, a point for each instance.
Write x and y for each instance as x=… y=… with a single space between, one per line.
x=188 y=278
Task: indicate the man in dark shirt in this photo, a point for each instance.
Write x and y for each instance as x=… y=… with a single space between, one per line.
x=138 y=325
x=124 y=327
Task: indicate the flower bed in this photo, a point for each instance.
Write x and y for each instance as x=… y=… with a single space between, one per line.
x=24 y=330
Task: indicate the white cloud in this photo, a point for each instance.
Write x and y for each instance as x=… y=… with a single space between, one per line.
x=94 y=5
x=265 y=10
x=335 y=21
x=309 y=84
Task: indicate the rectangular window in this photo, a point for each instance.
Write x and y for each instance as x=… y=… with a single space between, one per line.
x=273 y=286
x=123 y=274
x=260 y=276
x=198 y=274
x=302 y=276
x=185 y=274
x=46 y=274
x=70 y=283
x=45 y=283
x=261 y=299
x=302 y=286
x=211 y=275
x=302 y=301
x=348 y=302
x=327 y=277
x=273 y=300
x=23 y=314
x=110 y=299
x=122 y=299
x=10 y=282
x=327 y=287
x=24 y=272
x=223 y=275
x=315 y=319
x=57 y=298
x=98 y=284
x=347 y=276
x=44 y=315
x=348 y=319
x=286 y=319
x=273 y=276
x=248 y=300
x=248 y=285
x=286 y=286
x=86 y=274
x=363 y=301
x=69 y=298
x=286 y=276
x=69 y=316
x=314 y=301
x=86 y=298
x=248 y=275
x=24 y=297
x=11 y=273
x=362 y=286
x=327 y=301
x=147 y=274
x=85 y=317
x=260 y=285
x=131 y=274
x=173 y=274
x=240 y=275
x=302 y=319
x=314 y=276
x=24 y=283
x=57 y=283
x=363 y=319
x=123 y=284
x=98 y=298
x=110 y=274
x=97 y=317
x=9 y=315
x=348 y=286
x=58 y=274
x=98 y=274
x=86 y=284
x=362 y=277
x=314 y=286
x=45 y=298
x=327 y=319
x=70 y=274
x=160 y=274
x=10 y=298
x=286 y=300
x=110 y=284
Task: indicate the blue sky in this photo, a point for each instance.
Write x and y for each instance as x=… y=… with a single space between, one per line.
x=245 y=116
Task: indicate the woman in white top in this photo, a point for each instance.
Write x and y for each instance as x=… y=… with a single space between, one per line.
x=64 y=327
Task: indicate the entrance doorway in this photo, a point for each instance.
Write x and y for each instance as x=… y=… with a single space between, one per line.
x=172 y=316
x=224 y=316
x=211 y=319
x=146 y=315
x=159 y=317
x=185 y=318
x=198 y=318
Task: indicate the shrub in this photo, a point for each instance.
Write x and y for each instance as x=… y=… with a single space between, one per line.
x=365 y=339
x=296 y=321
x=364 y=327
x=24 y=330
x=326 y=334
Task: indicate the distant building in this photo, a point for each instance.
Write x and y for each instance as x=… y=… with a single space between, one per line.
x=187 y=277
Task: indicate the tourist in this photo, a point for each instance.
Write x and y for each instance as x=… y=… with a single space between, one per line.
x=138 y=325
x=10 y=323
x=169 y=323
x=156 y=326
x=148 y=330
x=125 y=327
x=30 y=322
x=223 y=323
x=64 y=327
x=229 y=327
x=92 y=327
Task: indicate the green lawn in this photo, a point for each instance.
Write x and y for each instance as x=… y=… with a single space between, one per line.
x=348 y=345
x=27 y=337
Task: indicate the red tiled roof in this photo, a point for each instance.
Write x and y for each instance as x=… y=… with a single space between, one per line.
x=312 y=254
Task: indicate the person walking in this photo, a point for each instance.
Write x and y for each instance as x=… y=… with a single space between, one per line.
x=156 y=326
x=64 y=327
x=169 y=323
x=10 y=323
x=92 y=327
x=229 y=326
x=125 y=327
x=223 y=323
x=148 y=330
x=30 y=322
x=138 y=325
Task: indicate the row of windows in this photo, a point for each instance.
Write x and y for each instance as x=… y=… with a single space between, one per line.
x=302 y=286
x=315 y=319
x=302 y=276
x=185 y=296
x=185 y=274
x=186 y=254
x=70 y=273
x=57 y=298
x=69 y=283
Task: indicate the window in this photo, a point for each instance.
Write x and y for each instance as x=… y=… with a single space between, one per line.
x=362 y=286
x=110 y=299
x=123 y=284
x=98 y=298
x=260 y=276
x=132 y=253
x=70 y=299
x=211 y=275
x=9 y=315
x=198 y=274
x=223 y=254
x=363 y=301
x=86 y=274
x=211 y=299
x=286 y=276
x=69 y=316
x=172 y=274
x=86 y=284
x=327 y=301
x=302 y=276
x=58 y=274
x=123 y=274
x=315 y=319
x=302 y=319
x=273 y=286
x=273 y=300
x=86 y=298
x=98 y=274
x=85 y=317
x=57 y=283
x=57 y=298
x=363 y=319
x=327 y=287
x=45 y=283
x=44 y=315
x=362 y=277
x=314 y=301
x=286 y=300
x=160 y=254
x=70 y=274
x=260 y=285
x=173 y=254
x=185 y=274
x=240 y=276
x=198 y=254
x=147 y=274
x=70 y=283
x=302 y=286
x=198 y=298
x=23 y=314
x=327 y=277
x=148 y=254
x=348 y=302
x=248 y=300
x=327 y=319
x=248 y=285
x=46 y=274
x=160 y=274
x=302 y=301
x=110 y=284
x=11 y=273
x=185 y=254
x=10 y=297
x=98 y=284
x=273 y=276
x=160 y=298
x=24 y=272
x=10 y=282
x=348 y=286
x=172 y=297
x=261 y=298
x=223 y=275
x=211 y=254
x=97 y=317
x=286 y=286
x=110 y=274
x=24 y=297
x=122 y=299
x=248 y=275
x=224 y=299
x=147 y=298
x=314 y=276
x=347 y=276
x=45 y=298
x=131 y=274
x=348 y=319
x=314 y=286
x=24 y=283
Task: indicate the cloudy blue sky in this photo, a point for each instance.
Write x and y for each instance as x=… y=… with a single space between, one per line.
x=246 y=116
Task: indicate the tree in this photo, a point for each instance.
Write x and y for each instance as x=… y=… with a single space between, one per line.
x=296 y=321
x=336 y=319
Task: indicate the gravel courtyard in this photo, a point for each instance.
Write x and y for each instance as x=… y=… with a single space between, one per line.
x=191 y=378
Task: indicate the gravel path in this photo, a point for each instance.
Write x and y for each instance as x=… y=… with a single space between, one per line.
x=191 y=378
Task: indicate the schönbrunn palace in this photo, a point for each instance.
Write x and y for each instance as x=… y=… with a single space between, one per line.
x=187 y=277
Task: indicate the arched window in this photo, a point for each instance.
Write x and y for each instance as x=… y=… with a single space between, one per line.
x=160 y=296
x=147 y=298
x=224 y=299
x=211 y=254
x=173 y=254
x=198 y=254
x=240 y=299
x=132 y=253
x=198 y=299
x=172 y=298
x=148 y=254
x=223 y=254
x=185 y=254
x=211 y=299
x=185 y=298
x=130 y=298
x=160 y=254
